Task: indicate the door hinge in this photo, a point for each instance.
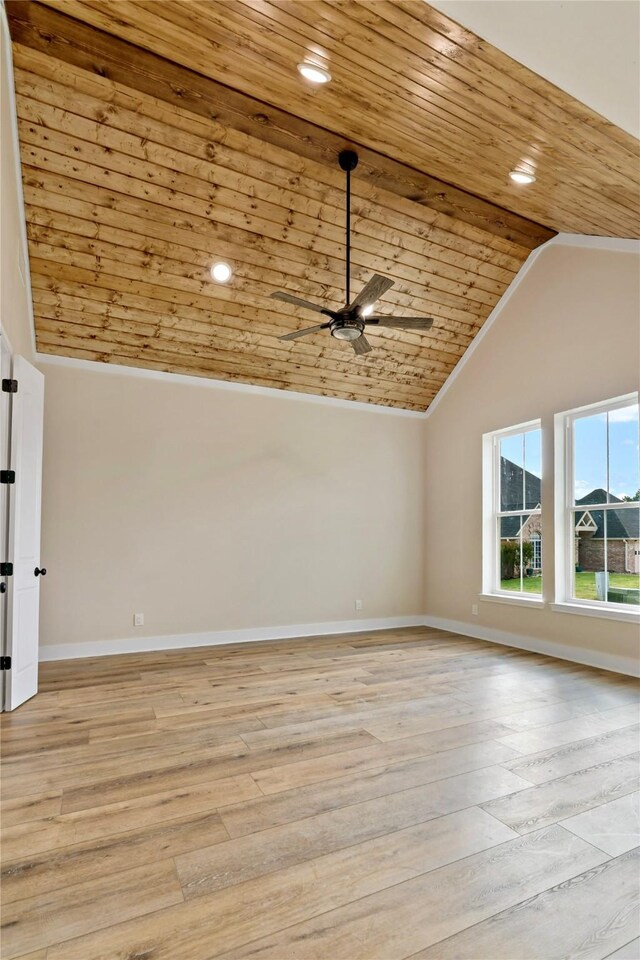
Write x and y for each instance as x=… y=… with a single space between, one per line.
x=6 y=569
x=7 y=476
x=5 y=663
x=9 y=386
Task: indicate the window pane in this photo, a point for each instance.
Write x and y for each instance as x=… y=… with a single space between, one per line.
x=623 y=567
x=588 y=543
x=533 y=469
x=624 y=470
x=607 y=556
x=511 y=472
x=590 y=459
x=521 y=553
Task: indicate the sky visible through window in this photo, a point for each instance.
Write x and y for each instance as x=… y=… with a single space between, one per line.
x=530 y=457
x=590 y=446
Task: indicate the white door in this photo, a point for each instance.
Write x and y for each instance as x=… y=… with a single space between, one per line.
x=23 y=596
x=5 y=406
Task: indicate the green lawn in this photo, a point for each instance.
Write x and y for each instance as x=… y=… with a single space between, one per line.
x=585 y=583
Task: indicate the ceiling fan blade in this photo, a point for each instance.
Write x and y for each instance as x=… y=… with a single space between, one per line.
x=297 y=302
x=372 y=291
x=303 y=333
x=361 y=345
x=401 y=323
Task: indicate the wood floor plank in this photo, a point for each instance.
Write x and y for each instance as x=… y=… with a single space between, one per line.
x=85 y=862
x=25 y=809
x=61 y=915
x=303 y=797
x=576 y=755
x=35 y=955
x=212 y=924
x=630 y=951
x=396 y=727
x=304 y=772
x=524 y=720
x=188 y=771
x=186 y=715
x=140 y=747
x=579 y=728
x=49 y=833
x=368 y=706
x=273 y=848
x=91 y=714
x=568 y=796
x=296 y=725
x=302 y=802
x=18 y=743
x=447 y=900
x=89 y=774
x=588 y=916
x=613 y=827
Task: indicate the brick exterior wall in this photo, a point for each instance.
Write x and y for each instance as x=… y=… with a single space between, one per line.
x=591 y=555
x=531 y=526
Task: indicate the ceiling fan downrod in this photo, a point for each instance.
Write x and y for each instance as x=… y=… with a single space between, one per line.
x=348 y=160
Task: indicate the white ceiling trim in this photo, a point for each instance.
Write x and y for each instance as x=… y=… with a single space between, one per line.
x=115 y=369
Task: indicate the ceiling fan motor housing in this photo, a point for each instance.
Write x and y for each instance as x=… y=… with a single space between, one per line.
x=347 y=324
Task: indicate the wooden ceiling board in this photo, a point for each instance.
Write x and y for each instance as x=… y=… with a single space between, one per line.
x=143 y=164
x=410 y=84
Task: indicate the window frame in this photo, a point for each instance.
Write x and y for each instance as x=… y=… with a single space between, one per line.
x=565 y=508
x=492 y=514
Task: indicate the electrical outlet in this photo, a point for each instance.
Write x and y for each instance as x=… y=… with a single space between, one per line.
x=474 y=609
x=138 y=619
x=358 y=604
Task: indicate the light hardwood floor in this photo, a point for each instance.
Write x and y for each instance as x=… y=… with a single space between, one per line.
x=408 y=793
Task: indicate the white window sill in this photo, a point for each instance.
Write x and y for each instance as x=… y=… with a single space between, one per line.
x=591 y=610
x=519 y=600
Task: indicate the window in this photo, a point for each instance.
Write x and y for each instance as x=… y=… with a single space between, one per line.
x=512 y=491
x=536 y=543
x=598 y=507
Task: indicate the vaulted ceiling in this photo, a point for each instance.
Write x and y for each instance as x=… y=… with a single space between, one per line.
x=157 y=137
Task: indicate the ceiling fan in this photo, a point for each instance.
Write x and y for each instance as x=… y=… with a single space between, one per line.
x=350 y=321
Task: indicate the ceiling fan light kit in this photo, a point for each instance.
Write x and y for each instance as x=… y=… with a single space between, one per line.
x=349 y=322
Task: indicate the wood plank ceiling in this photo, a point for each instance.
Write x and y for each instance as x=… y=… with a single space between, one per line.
x=160 y=136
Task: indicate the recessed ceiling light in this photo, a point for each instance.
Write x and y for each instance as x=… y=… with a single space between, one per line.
x=221 y=272
x=367 y=311
x=314 y=72
x=522 y=176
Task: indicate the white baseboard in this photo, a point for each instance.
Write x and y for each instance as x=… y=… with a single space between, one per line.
x=102 y=648
x=590 y=658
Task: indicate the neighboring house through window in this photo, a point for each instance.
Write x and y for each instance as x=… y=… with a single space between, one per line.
x=512 y=541
x=597 y=511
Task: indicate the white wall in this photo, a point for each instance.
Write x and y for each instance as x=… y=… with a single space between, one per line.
x=209 y=509
x=569 y=335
